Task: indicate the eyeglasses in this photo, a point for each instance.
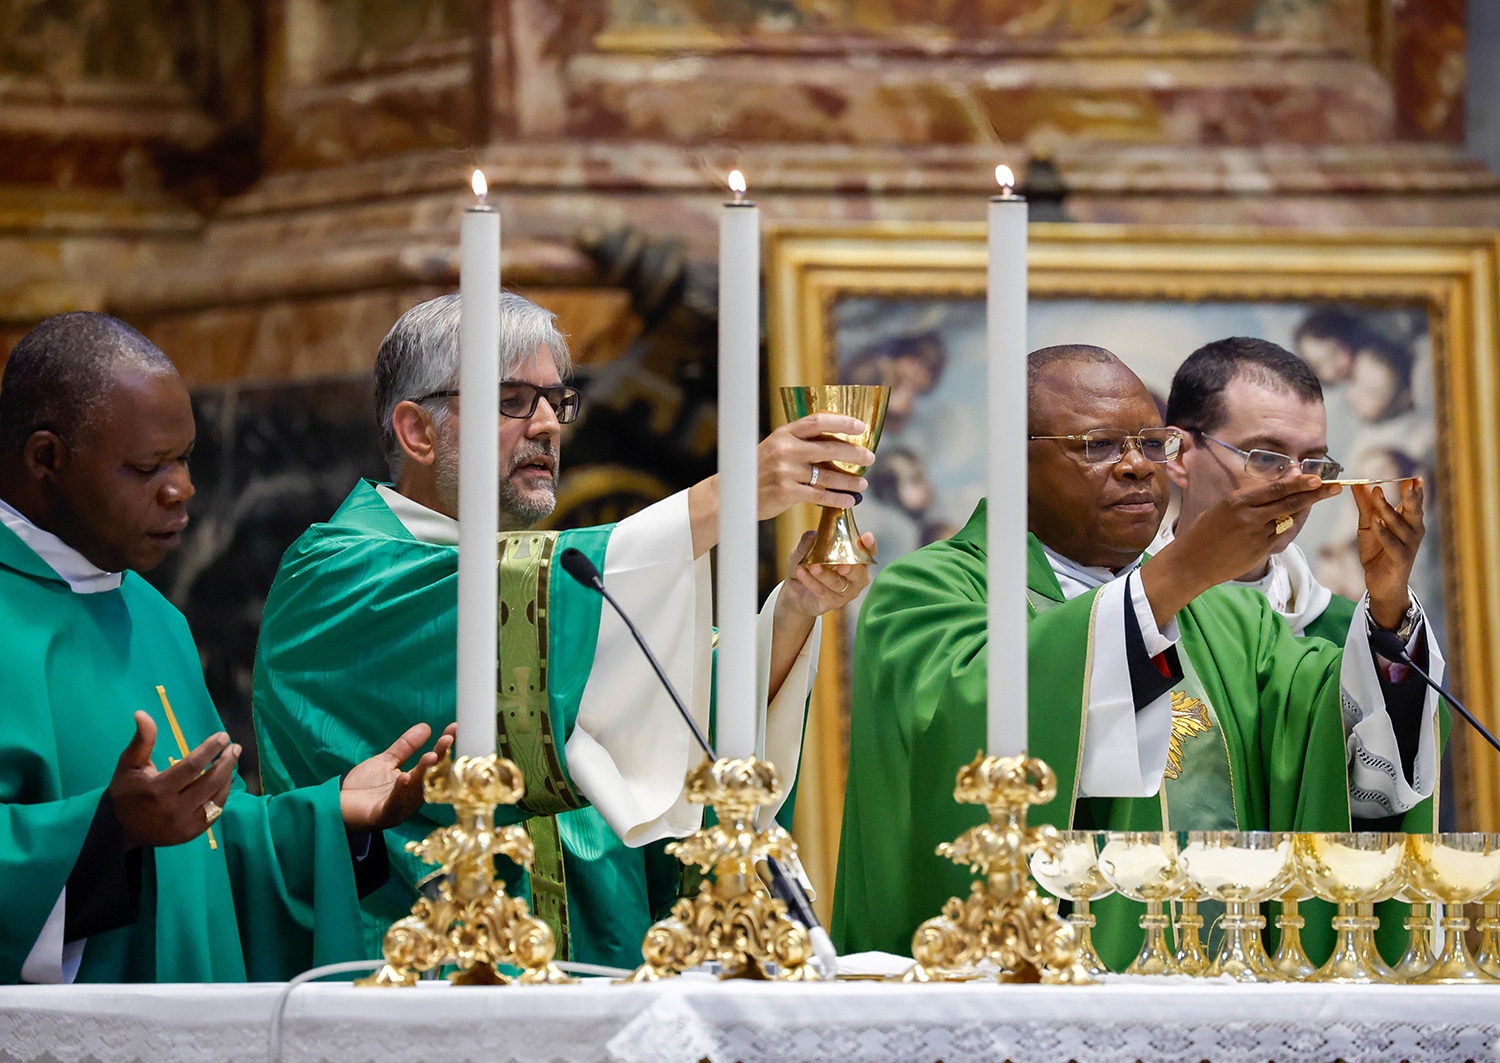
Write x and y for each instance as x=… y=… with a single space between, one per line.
x=1269 y=465
x=1107 y=447
x=518 y=399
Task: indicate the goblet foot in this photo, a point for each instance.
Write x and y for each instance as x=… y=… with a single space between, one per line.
x=1290 y=963
x=1487 y=959
x=1191 y=957
x=1154 y=957
x=1241 y=955
x=1351 y=961
x=1418 y=957
x=1083 y=928
x=1454 y=965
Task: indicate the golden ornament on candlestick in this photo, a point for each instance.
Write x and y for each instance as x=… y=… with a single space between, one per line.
x=837 y=540
x=473 y=924
x=733 y=919
x=1002 y=922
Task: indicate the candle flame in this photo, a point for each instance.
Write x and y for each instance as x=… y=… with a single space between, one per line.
x=1006 y=178
x=737 y=183
x=480 y=185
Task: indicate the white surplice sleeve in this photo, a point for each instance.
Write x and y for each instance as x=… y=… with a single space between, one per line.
x=779 y=737
x=630 y=750
x=1124 y=750
x=1378 y=786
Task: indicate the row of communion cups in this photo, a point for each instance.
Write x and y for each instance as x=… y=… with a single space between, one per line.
x=1241 y=870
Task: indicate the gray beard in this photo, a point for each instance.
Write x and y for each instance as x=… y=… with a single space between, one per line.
x=518 y=510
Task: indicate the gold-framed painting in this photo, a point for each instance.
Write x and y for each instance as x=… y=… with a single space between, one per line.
x=1402 y=326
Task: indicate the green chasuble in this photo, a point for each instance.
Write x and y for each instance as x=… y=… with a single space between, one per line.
x=918 y=715
x=1333 y=622
x=272 y=895
x=359 y=642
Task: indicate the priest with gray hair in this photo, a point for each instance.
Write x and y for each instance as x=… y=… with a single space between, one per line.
x=360 y=631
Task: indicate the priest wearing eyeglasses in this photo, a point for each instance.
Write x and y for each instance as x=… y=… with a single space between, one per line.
x=360 y=630
x=1161 y=699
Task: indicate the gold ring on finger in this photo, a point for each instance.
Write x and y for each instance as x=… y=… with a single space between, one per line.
x=1284 y=524
x=845 y=587
x=212 y=811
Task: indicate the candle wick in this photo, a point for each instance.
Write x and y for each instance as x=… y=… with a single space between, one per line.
x=739 y=197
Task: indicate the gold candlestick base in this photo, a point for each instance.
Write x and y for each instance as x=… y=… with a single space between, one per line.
x=733 y=919
x=1002 y=921
x=474 y=924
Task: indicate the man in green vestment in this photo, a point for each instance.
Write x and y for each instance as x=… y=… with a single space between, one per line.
x=1252 y=411
x=1161 y=699
x=359 y=632
x=155 y=863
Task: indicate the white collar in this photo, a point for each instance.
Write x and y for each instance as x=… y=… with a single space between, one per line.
x=81 y=574
x=1074 y=579
x=425 y=525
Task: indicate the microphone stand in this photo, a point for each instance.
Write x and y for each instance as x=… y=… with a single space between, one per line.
x=783 y=886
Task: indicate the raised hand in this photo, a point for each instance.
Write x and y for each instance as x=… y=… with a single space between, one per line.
x=158 y=808
x=377 y=794
x=1388 y=540
x=788 y=456
x=1232 y=537
x=812 y=590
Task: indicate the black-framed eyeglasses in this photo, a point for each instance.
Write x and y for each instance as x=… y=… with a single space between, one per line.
x=1105 y=446
x=1270 y=465
x=518 y=399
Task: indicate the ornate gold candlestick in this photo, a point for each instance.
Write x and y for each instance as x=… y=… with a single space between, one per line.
x=733 y=919
x=474 y=924
x=1002 y=920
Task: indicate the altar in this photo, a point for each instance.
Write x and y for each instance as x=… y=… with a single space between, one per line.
x=1174 y=1020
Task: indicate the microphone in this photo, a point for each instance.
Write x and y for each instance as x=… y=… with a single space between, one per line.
x=785 y=888
x=1389 y=646
x=577 y=565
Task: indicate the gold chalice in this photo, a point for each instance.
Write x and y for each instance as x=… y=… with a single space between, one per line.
x=1241 y=869
x=1071 y=871
x=1290 y=964
x=837 y=538
x=1456 y=869
x=1488 y=957
x=1143 y=866
x=1352 y=870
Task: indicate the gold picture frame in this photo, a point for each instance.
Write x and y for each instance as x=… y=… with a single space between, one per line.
x=1453 y=276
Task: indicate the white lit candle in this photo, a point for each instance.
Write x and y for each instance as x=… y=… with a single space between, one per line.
x=478 y=473
x=1006 y=408
x=736 y=713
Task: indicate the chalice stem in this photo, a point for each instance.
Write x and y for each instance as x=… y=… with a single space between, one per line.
x=1290 y=961
x=1154 y=957
x=837 y=541
x=1488 y=956
x=1083 y=928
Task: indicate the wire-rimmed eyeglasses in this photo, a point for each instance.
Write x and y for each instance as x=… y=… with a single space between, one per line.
x=518 y=399
x=1271 y=465
x=1102 y=445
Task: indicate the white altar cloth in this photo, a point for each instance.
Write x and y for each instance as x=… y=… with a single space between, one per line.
x=686 y=1020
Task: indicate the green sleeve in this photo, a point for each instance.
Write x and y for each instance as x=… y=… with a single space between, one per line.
x=293 y=881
